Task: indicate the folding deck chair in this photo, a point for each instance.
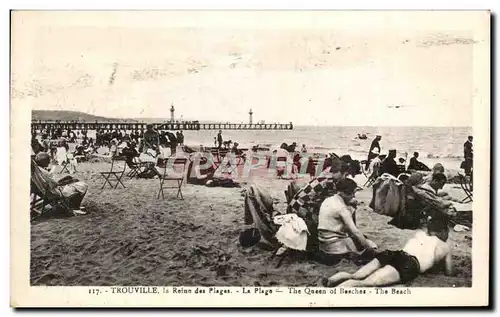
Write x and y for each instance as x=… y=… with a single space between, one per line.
x=171 y=174
x=42 y=194
x=117 y=173
x=466 y=185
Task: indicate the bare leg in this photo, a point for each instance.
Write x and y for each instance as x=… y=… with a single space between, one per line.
x=382 y=277
x=360 y=274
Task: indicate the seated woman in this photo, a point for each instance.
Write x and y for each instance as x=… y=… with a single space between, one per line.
x=422 y=252
x=70 y=187
x=337 y=232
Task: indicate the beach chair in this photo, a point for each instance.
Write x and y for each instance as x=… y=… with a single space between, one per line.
x=176 y=173
x=62 y=159
x=134 y=167
x=466 y=185
x=42 y=194
x=117 y=173
x=370 y=179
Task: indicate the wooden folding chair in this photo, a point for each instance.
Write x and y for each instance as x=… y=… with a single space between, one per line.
x=118 y=174
x=370 y=180
x=62 y=159
x=135 y=168
x=64 y=166
x=467 y=188
x=173 y=174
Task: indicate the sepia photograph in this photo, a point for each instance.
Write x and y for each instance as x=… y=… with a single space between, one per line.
x=327 y=155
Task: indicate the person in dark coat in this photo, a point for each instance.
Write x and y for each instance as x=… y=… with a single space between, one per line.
x=389 y=165
x=468 y=156
x=219 y=139
x=375 y=145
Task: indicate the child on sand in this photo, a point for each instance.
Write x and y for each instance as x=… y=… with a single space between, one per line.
x=422 y=252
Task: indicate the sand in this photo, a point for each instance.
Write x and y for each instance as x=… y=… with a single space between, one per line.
x=129 y=237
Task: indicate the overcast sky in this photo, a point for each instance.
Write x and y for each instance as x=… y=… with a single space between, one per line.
x=326 y=68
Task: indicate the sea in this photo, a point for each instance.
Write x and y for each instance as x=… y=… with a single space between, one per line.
x=434 y=144
x=430 y=142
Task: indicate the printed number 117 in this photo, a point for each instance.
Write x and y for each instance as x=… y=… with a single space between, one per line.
x=94 y=291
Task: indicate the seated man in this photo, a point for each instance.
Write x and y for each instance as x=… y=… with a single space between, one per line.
x=337 y=232
x=422 y=252
x=69 y=186
x=423 y=200
x=416 y=165
x=436 y=184
x=130 y=153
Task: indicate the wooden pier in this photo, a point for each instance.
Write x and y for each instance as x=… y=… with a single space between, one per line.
x=190 y=125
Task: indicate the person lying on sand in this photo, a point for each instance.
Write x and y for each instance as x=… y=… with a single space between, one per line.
x=337 y=232
x=207 y=176
x=423 y=251
x=69 y=186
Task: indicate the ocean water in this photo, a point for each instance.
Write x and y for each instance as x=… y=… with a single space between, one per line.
x=430 y=142
x=434 y=144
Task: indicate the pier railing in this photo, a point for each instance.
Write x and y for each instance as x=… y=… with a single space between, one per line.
x=73 y=125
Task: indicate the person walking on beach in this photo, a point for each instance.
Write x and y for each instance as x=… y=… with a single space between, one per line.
x=219 y=139
x=468 y=156
x=375 y=145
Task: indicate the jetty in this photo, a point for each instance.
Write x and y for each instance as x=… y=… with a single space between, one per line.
x=38 y=125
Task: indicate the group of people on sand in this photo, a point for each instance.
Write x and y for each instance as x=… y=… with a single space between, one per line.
x=378 y=163
x=325 y=209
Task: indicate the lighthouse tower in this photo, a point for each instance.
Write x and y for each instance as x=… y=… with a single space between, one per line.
x=250 y=113
x=172 y=110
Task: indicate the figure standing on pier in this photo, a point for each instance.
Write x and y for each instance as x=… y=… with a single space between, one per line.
x=219 y=139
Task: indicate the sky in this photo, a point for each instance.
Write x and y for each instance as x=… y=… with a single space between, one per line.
x=310 y=68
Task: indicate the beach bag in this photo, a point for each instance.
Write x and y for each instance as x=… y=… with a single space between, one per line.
x=388 y=196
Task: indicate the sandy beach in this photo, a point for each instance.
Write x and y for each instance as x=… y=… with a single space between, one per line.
x=129 y=237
